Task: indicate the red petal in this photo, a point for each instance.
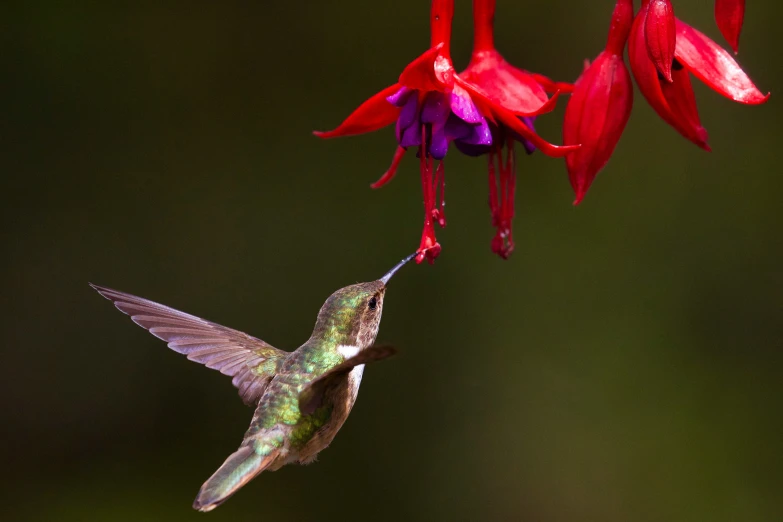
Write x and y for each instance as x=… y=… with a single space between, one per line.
x=504 y=84
x=729 y=14
x=596 y=116
x=550 y=85
x=512 y=121
x=660 y=35
x=714 y=66
x=682 y=102
x=647 y=79
x=371 y=115
x=389 y=174
x=497 y=113
x=428 y=72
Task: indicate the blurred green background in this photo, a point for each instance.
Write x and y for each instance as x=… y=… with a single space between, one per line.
x=624 y=365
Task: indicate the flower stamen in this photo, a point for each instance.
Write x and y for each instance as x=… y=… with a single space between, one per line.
x=429 y=247
x=501 y=195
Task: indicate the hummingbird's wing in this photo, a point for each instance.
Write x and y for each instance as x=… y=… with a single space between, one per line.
x=312 y=395
x=251 y=362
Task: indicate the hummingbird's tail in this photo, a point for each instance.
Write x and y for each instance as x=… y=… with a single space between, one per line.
x=238 y=469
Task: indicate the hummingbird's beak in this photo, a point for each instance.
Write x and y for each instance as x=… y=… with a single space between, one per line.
x=390 y=273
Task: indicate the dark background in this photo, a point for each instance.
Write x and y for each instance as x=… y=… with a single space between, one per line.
x=624 y=365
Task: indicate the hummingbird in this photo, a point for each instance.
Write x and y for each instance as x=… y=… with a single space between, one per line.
x=301 y=398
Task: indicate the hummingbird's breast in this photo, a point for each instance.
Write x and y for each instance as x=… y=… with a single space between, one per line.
x=340 y=399
x=278 y=414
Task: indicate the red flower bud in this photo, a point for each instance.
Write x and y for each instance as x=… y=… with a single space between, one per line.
x=695 y=54
x=660 y=36
x=729 y=14
x=674 y=102
x=600 y=106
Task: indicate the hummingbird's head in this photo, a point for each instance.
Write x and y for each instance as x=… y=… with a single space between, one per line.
x=352 y=315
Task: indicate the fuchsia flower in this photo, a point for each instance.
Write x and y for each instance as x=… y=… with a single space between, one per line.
x=662 y=51
x=600 y=106
x=434 y=107
x=729 y=15
x=694 y=53
x=491 y=104
x=511 y=99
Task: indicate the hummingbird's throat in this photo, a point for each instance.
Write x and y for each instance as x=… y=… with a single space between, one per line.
x=368 y=330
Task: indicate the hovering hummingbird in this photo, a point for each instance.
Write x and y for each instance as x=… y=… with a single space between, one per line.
x=301 y=398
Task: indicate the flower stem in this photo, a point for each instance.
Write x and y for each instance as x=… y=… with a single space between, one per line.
x=622 y=19
x=441 y=14
x=483 y=25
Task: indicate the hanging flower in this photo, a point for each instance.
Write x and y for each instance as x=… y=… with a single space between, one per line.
x=511 y=98
x=433 y=107
x=492 y=105
x=695 y=54
x=600 y=106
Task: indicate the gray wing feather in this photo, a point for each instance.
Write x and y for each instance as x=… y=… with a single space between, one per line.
x=250 y=361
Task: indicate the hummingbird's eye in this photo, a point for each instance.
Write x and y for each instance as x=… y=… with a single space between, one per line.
x=373 y=303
